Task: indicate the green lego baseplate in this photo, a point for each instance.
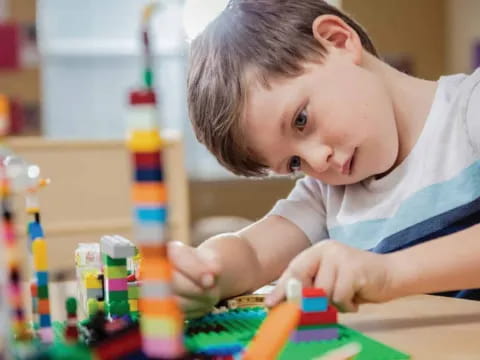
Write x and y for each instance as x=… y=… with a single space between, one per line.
x=228 y=333
x=238 y=327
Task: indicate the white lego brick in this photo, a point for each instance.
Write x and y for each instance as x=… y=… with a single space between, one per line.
x=155 y=289
x=150 y=234
x=117 y=247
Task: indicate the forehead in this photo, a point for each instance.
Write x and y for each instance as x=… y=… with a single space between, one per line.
x=265 y=104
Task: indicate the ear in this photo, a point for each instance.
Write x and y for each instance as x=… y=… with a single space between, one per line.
x=330 y=30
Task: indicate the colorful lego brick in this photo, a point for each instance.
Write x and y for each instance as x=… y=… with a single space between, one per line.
x=294 y=290
x=117 y=247
x=155 y=289
x=319 y=318
x=44 y=320
x=149 y=193
x=133 y=303
x=39 y=250
x=162 y=327
x=151 y=233
x=117 y=284
x=133 y=290
x=117 y=296
x=42 y=278
x=115 y=272
x=274 y=332
x=117 y=307
x=314 y=334
x=144 y=141
x=148 y=175
x=95 y=294
x=42 y=292
x=91 y=280
x=43 y=306
x=151 y=214
x=147 y=160
x=156 y=270
x=35 y=230
x=163 y=348
x=313 y=292
x=142 y=118
x=160 y=307
x=107 y=260
x=314 y=304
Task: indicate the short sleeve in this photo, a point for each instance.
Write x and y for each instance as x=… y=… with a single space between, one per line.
x=304 y=207
x=472 y=116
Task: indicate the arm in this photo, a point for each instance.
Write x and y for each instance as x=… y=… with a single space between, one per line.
x=256 y=255
x=448 y=263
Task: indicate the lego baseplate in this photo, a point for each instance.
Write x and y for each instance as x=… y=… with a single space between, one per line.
x=228 y=333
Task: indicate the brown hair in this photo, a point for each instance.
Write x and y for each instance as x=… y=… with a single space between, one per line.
x=274 y=37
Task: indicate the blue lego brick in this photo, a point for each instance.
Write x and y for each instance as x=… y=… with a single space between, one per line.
x=148 y=175
x=42 y=278
x=35 y=230
x=144 y=214
x=44 y=320
x=314 y=304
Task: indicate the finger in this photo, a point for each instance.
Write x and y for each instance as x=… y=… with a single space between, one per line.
x=183 y=286
x=187 y=261
x=190 y=304
x=303 y=268
x=344 y=292
x=326 y=277
x=190 y=315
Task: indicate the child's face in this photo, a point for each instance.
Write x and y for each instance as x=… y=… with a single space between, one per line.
x=335 y=122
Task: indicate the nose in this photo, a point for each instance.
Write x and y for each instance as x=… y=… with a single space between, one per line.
x=319 y=158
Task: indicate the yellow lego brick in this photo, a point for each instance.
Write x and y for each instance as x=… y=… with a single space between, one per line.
x=160 y=327
x=90 y=280
x=133 y=305
x=144 y=141
x=39 y=250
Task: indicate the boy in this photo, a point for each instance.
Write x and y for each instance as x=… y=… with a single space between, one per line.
x=391 y=161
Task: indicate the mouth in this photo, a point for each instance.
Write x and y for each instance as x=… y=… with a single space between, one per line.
x=347 y=166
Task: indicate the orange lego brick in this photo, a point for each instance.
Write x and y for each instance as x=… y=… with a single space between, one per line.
x=157 y=252
x=43 y=306
x=156 y=269
x=149 y=192
x=274 y=332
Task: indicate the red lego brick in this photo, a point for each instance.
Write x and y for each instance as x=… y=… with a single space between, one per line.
x=313 y=292
x=319 y=318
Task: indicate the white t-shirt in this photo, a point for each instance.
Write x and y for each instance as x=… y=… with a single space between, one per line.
x=433 y=192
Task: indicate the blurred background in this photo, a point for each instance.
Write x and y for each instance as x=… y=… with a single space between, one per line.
x=66 y=67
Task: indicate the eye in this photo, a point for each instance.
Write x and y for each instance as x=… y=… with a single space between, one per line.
x=301 y=120
x=294 y=164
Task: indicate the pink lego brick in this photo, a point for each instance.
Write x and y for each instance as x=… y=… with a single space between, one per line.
x=117 y=285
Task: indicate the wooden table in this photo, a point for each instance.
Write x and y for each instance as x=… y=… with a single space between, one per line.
x=426 y=327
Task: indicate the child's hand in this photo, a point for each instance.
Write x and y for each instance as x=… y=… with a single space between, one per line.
x=348 y=275
x=195 y=278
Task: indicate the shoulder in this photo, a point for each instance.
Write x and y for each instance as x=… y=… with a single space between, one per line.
x=471 y=108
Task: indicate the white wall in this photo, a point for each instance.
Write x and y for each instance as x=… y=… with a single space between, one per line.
x=463 y=27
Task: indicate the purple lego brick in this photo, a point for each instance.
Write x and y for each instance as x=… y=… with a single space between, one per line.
x=314 y=334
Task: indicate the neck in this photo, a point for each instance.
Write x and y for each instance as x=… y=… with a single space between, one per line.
x=411 y=98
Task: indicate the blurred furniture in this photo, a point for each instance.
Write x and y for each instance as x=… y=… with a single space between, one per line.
x=89 y=195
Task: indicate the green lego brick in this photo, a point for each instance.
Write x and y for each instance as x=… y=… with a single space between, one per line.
x=118 y=308
x=115 y=272
x=71 y=305
x=117 y=296
x=107 y=260
x=43 y=292
x=133 y=292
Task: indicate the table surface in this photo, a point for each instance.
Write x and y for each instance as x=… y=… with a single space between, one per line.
x=426 y=327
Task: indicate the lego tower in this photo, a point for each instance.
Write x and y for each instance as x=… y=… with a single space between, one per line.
x=161 y=320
